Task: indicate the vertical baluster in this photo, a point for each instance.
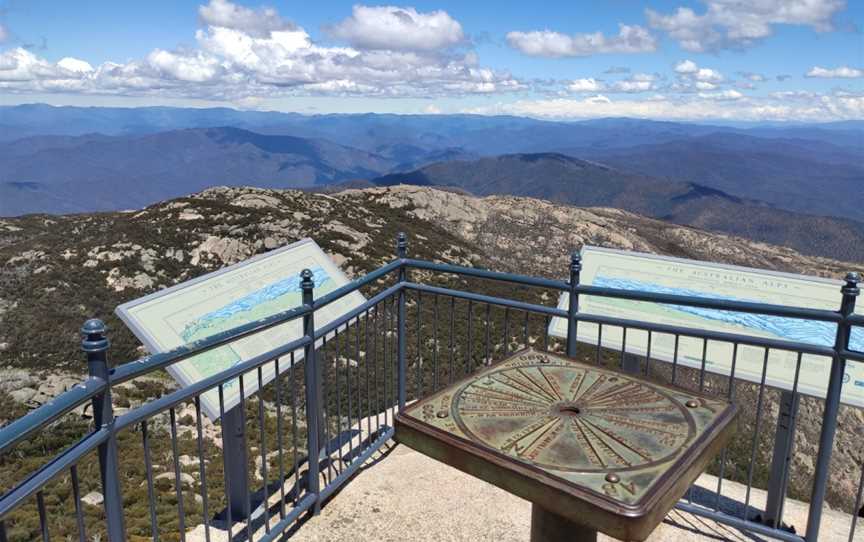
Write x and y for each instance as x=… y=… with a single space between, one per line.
x=43 y=517
x=648 y=354
x=402 y=376
x=856 y=509
x=349 y=402
x=225 y=437
x=784 y=471
x=178 y=482
x=704 y=361
x=435 y=345
x=488 y=360
x=279 y=437
x=469 y=361
x=599 y=341
x=151 y=493
x=377 y=407
x=525 y=331
x=850 y=292
x=295 y=438
x=338 y=357
x=506 y=330
x=546 y=333
x=324 y=445
x=262 y=441
x=675 y=358
x=314 y=392
x=756 y=433
x=623 y=346
x=370 y=357
x=418 y=363
x=452 y=340
x=366 y=360
x=202 y=471
x=95 y=345
x=247 y=506
x=79 y=513
x=573 y=304
x=730 y=392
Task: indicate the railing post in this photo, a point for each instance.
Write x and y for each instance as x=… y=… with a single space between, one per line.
x=95 y=344
x=573 y=306
x=314 y=392
x=832 y=406
x=402 y=253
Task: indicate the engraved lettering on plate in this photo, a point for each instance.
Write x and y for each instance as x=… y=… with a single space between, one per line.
x=566 y=417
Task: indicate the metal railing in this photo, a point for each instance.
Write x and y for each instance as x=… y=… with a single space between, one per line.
x=292 y=444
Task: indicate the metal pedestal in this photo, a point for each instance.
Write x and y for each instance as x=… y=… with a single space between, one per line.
x=236 y=466
x=548 y=526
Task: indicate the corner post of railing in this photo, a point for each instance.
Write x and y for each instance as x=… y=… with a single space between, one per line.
x=573 y=304
x=402 y=253
x=850 y=291
x=95 y=344
x=315 y=439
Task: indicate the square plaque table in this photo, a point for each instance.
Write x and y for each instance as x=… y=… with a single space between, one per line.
x=592 y=449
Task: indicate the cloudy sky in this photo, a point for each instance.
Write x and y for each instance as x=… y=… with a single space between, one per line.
x=744 y=60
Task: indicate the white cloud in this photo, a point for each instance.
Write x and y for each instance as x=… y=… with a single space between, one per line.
x=753 y=76
x=244 y=54
x=686 y=66
x=585 y=85
x=707 y=74
x=737 y=23
x=395 y=28
x=705 y=85
x=723 y=95
x=638 y=82
x=74 y=65
x=630 y=39
x=714 y=107
x=841 y=72
x=258 y=23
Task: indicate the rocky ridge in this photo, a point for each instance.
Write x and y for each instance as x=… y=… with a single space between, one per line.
x=57 y=271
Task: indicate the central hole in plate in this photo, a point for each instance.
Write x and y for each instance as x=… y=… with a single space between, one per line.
x=569 y=410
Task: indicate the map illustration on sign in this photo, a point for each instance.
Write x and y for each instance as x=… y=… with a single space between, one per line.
x=649 y=273
x=246 y=292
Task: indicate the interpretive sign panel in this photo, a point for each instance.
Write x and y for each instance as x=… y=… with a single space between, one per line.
x=645 y=272
x=262 y=286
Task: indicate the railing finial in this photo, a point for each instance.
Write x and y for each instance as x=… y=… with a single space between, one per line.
x=575 y=262
x=852 y=281
x=402 y=245
x=93 y=336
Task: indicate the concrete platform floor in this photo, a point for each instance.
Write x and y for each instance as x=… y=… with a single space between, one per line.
x=404 y=496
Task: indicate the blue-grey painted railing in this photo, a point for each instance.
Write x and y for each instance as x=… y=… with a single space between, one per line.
x=329 y=386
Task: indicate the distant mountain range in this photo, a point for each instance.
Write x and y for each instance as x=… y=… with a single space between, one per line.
x=565 y=179
x=793 y=184
x=63 y=174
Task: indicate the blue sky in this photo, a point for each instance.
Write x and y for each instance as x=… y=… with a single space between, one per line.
x=677 y=59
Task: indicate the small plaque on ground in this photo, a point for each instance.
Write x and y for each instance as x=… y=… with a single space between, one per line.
x=605 y=449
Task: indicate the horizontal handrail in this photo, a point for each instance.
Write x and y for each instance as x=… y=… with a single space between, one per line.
x=500 y=301
x=355 y=285
x=174 y=398
x=486 y=274
x=803 y=313
x=634 y=295
x=634 y=324
x=342 y=320
x=37 y=419
x=134 y=369
x=37 y=480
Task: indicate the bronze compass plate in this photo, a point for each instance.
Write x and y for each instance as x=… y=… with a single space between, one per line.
x=540 y=424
